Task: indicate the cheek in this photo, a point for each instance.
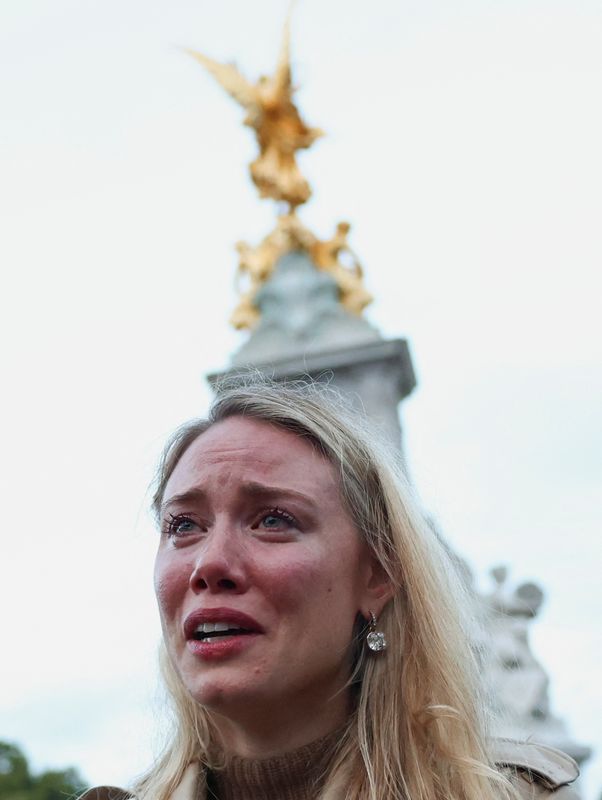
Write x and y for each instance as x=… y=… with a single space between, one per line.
x=171 y=579
x=301 y=581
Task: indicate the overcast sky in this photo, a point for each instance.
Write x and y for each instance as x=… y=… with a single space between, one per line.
x=463 y=144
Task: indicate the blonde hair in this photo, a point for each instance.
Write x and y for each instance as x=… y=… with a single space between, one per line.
x=417 y=731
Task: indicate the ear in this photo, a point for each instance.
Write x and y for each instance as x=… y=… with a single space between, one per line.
x=377 y=590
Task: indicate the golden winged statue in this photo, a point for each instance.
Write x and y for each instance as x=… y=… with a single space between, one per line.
x=280 y=132
x=278 y=126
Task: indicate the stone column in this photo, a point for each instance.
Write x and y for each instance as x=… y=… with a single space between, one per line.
x=304 y=332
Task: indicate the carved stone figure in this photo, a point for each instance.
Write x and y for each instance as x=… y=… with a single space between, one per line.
x=519 y=683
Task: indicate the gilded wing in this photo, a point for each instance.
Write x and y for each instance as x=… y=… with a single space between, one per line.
x=228 y=76
x=281 y=81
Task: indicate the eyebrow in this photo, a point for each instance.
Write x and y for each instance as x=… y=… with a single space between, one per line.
x=191 y=495
x=252 y=489
x=260 y=490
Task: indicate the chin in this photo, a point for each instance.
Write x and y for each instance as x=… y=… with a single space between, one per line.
x=221 y=692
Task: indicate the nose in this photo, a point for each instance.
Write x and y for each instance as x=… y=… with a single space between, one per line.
x=220 y=565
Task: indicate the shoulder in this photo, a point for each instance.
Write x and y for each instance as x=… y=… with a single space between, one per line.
x=185 y=790
x=537 y=771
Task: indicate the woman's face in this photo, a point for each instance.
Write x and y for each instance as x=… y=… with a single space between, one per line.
x=256 y=540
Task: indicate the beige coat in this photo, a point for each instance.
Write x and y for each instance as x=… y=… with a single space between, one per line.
x=539 y=772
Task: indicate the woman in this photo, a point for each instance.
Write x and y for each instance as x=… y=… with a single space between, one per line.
x=315 y=633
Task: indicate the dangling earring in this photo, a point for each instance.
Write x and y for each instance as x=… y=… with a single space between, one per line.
x=375 y=639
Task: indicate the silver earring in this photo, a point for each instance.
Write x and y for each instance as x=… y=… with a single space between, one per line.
x=375 y=639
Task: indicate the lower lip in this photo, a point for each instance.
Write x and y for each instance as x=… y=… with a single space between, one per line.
x=215 y=649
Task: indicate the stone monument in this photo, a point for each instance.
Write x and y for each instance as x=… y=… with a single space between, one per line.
x=301 y=299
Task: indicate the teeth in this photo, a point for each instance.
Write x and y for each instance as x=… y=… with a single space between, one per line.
x=210 y=627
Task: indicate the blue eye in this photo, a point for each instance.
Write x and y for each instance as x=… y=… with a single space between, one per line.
x=179 y=525
x=276 y=519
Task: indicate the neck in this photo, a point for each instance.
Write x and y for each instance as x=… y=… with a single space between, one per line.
x=298 y=775
x=258 y=735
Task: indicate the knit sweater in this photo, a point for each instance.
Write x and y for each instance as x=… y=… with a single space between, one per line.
x=539 y=773
x=298 y=775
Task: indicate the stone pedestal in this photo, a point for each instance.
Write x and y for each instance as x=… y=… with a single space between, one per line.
x=376 y=376
x=304 y=332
